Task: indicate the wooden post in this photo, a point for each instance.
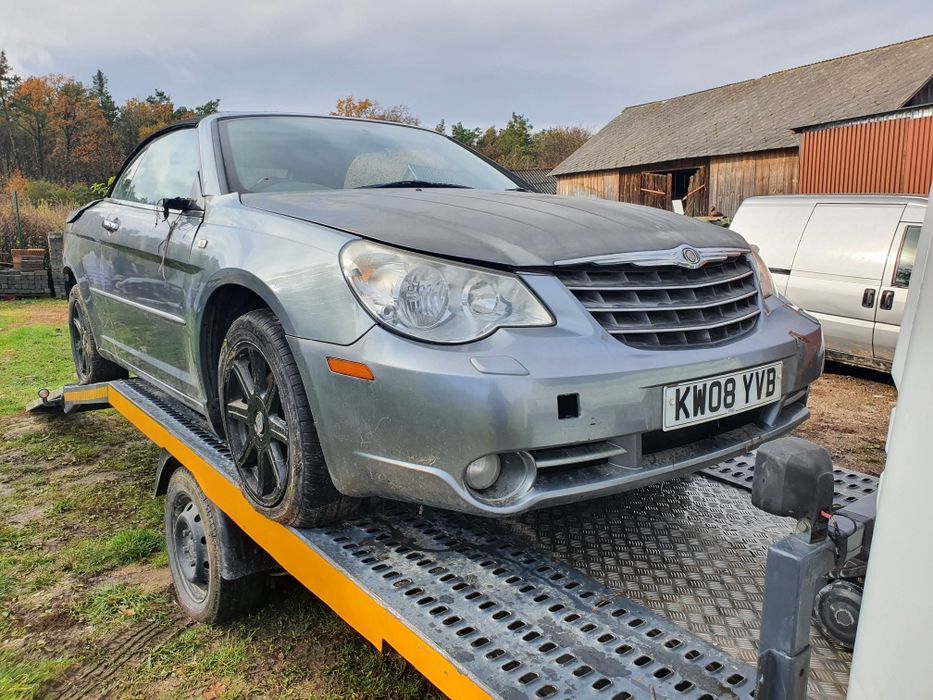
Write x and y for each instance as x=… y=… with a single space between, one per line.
x=20 y=242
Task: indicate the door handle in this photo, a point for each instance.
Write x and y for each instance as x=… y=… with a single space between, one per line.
x=110 y=225
x=868 y=298
x=887 y=300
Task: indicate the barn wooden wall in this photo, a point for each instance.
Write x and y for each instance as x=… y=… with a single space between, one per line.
x=733 y=178
x=893 y=156
x=601 y=183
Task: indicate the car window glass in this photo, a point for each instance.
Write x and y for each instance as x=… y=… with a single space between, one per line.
x=306 y=154
x=905 y=261
x=167 y=167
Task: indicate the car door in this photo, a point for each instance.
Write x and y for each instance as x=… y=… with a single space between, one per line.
x=893 y=294
x=838 y=269
x=145 y=316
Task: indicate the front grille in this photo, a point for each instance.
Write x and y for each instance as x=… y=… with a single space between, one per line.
x=668 y=306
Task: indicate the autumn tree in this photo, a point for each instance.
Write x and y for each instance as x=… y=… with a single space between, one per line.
x=553 y=146
x=9 y=84
x=34 y=101
x=366 y=108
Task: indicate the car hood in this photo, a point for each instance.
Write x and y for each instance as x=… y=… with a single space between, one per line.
x=514 y=229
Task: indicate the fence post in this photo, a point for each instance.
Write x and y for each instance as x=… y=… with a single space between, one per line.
x=20 y=241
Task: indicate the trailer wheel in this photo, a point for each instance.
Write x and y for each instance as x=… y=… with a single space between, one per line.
x=269 y=427
x=195 y=560
x=89 y=365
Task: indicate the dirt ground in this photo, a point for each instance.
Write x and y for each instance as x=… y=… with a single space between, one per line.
x=850 y=409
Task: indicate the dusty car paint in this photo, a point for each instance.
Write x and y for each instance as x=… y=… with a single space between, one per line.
x=430 y=410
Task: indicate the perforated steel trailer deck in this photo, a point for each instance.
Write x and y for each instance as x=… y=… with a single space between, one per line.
x=655 y=593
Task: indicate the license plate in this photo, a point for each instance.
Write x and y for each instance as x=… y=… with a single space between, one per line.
x=715 y=397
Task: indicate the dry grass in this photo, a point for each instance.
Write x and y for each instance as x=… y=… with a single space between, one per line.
x=38 y=221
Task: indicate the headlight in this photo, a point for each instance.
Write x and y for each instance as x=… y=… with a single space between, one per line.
x=765 y=281
x=435 y=300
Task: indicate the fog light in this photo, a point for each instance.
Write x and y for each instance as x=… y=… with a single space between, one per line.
x=483 y=472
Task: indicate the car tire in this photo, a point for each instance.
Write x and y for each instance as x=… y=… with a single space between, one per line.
x=89 y=365
x=269 y=427
x=193 y=546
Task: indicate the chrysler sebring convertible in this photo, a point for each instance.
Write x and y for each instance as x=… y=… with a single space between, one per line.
x=370 y=309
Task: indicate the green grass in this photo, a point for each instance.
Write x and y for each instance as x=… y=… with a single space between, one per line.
x=94 y=556
x=63 y=505
x=76 y=505
x=24 y=678
x=32 y=354
x=106 y=605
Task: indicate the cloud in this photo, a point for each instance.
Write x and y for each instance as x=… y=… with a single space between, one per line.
x=478 y=61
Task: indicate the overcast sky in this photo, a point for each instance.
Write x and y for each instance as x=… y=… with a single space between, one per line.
x=477 y=61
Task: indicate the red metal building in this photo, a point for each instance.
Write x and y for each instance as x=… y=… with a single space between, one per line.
x=884 y=153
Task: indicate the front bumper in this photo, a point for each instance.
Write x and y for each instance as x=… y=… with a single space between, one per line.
x=431 y=410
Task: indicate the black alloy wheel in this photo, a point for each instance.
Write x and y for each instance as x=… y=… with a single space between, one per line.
x=81 y=342
x=257 y=427
x=90 y=366
x=269 y=427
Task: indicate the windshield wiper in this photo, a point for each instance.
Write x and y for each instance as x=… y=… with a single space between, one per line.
x=413 y=183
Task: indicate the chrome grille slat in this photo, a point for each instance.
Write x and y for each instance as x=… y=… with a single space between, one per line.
x=672 y=307
x=597 y=288
x=669 y=306
x=683 y=329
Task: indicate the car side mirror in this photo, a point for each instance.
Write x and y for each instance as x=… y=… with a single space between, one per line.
x=182 y=204
x=793 y=478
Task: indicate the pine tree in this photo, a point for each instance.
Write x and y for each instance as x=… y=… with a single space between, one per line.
x=104 y=99
x=8 y=85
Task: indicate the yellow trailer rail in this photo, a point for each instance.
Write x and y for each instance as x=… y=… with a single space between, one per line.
x=478 y=609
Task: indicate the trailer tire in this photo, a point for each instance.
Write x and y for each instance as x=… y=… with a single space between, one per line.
x=194 y=556
x=89 y=365
x=269 y=427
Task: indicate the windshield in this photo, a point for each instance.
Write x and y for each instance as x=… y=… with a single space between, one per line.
x=303 y=154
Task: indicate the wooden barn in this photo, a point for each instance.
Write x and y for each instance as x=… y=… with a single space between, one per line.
x=714 y=148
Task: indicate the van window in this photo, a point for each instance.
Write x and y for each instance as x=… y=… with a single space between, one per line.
x=775 y=227
x=907 y=256
x=849 y=240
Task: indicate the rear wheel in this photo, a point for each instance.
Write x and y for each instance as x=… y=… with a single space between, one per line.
x=89 y=365
x=269 y=427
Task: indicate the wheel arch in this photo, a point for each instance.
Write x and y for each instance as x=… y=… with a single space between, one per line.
x=227 y=297
x=70 y=279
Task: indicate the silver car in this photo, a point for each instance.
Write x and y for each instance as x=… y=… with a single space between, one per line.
x=372 y=309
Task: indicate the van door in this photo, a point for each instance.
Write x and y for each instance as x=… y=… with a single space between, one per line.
x=775 y=227
x=838 y=269
x=893 y=295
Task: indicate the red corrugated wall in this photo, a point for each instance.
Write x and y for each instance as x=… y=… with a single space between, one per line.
x=893 y=156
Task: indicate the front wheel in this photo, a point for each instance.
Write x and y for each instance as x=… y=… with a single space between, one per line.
x=89 y=365
x=269 y=427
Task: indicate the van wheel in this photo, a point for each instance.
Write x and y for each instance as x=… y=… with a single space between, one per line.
x=269 y=428
x=193 y=548
x=89 y=365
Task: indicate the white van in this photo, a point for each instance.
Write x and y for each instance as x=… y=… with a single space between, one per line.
x=846 y=259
